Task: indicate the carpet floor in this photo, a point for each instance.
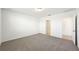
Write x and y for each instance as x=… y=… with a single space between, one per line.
x=38 y=42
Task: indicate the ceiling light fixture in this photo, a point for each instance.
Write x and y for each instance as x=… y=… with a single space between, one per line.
x=39 y=9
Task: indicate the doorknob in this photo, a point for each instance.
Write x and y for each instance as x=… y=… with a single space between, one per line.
x=73 y=30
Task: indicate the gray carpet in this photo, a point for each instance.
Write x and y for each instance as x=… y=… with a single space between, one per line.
x=39 y=42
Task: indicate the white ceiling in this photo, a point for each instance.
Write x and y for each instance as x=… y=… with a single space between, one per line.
x=45 y=12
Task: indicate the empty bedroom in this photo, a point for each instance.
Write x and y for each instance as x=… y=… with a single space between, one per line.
x=39 y=29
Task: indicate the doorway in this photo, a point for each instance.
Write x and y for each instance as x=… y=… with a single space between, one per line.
x=48 y=27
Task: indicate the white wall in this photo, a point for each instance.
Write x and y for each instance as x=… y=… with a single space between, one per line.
x=56 y=24
x=17 y=25
x=56 y=28
x=0 y=25
x=43 y=25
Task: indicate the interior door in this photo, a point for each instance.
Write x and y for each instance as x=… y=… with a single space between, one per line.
x=56 y=28
x=67 y=28
x=73 y=31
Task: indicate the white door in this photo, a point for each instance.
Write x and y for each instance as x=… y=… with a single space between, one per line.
x=67 y=28
x=73 y=32
x=56 y=28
